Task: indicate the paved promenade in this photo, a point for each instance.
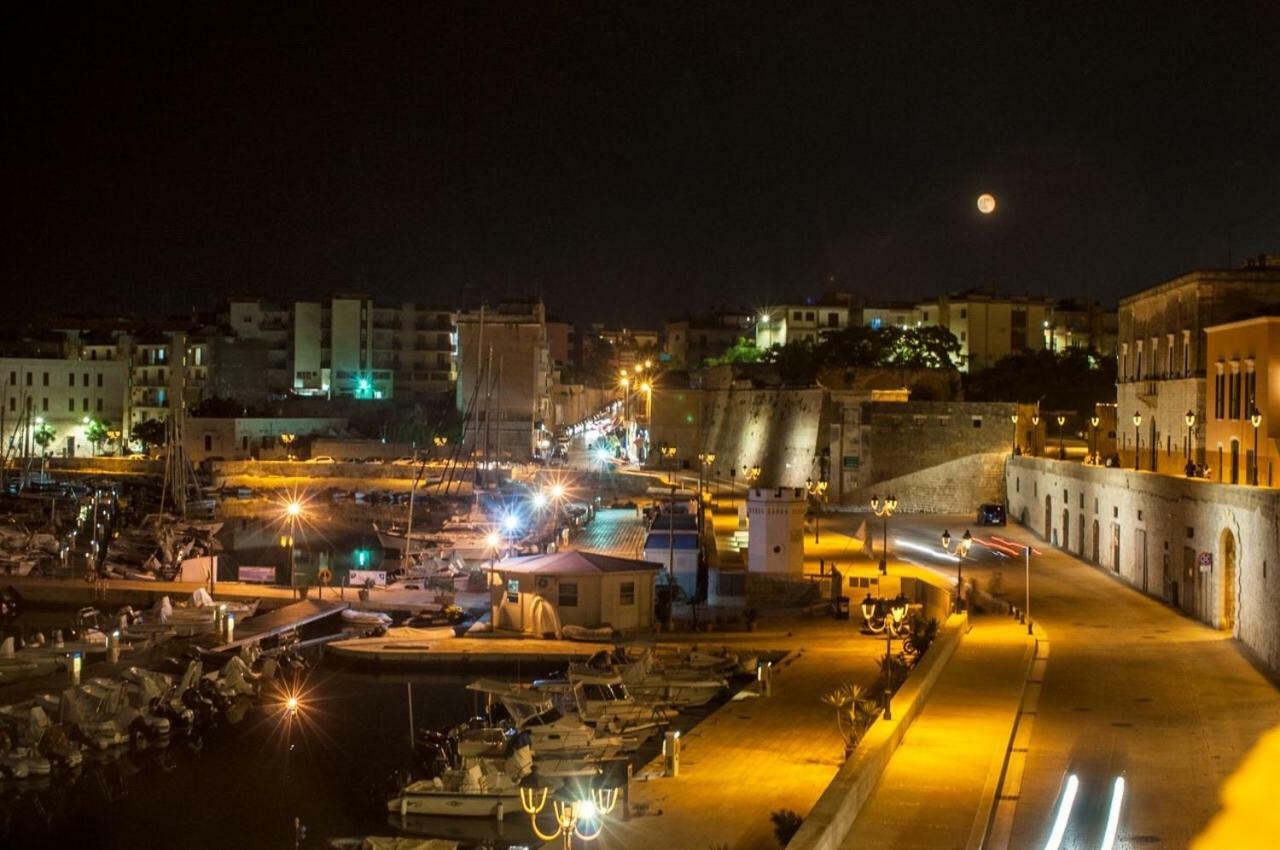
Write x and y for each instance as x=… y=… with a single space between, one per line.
x=756 y=755
x=941 y=779
x=618 y=532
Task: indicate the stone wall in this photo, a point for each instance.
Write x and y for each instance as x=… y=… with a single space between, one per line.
x=953 y=486
x=900 y=439
x=1210 y=549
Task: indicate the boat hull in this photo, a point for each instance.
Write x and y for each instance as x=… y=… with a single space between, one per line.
x=453 y=804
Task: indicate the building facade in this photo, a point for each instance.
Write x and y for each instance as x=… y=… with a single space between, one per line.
x=504 y=379
x=1241 y=406
x=63 y=397
x=1161 y=356
x=989 y=325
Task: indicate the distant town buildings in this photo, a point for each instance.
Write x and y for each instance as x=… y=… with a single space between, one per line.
x=694 y=339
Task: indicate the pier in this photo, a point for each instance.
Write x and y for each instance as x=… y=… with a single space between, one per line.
x=273 y=623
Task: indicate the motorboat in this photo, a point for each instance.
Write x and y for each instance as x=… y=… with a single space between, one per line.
x=114 y=700
x=603 y=699
x=477 y=789
x=36 y=735
x=85 y=716
x=553 y=733
x=645 y=682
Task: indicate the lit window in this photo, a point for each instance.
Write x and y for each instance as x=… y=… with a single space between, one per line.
x=569 y=594
x=627 y=593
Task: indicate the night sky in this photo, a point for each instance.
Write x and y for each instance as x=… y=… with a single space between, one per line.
x=629 y=160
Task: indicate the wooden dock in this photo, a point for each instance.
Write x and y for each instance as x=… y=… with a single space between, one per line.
x=275 y=622
x=446 y=650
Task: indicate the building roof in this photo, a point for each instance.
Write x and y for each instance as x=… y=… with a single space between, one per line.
x=574 y=563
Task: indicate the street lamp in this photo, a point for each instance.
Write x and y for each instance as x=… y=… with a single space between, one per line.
x=1013 y=417
x=962 y=549
x=1093 y=434
x=287 y=439
x=1035 y=425
x=1255 y=419
x=1062 y=453
x=897 y=611
x=583 y=818
x=1190 y=419
x=705 y=460
x=1137 y=440
x=669 y=454
x=884 y=509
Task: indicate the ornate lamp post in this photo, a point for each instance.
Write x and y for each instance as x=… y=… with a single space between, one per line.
x=1035 y=425
x=884 y=509
x=962 y=549
x=1093 y=434
x=898 y=612
x=1062 y=452
x=583 y=818
x=1255 y=419
x=669 y=455
x=1013 y=417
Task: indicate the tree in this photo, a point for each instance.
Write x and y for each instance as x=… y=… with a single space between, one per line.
x=905 y=348
x=150 y=433
x=742 y=351
x=1075 y=379
x=96 y=433
x=44 y=435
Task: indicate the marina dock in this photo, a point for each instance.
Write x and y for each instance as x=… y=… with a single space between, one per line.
x=275 y=622
x=440 y=647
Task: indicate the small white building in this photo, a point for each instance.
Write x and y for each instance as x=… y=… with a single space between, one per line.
x=775 y=530
x=540 y=593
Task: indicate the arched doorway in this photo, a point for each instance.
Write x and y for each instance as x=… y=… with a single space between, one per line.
x=1066 y=529
x=1235 y=461
x=1080 y=534
x=1048 y=517
x=1227 y=558
x=1097 y=544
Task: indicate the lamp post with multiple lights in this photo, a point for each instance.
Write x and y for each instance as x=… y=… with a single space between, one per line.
x=898 y=612
x=884 y=509
x=962 y=549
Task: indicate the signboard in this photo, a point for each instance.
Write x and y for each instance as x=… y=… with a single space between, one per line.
x=356 y=578
x=850 y=461
x=1205 y=561
x=256 y=575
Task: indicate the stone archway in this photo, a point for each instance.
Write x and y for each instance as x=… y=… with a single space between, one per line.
x=1227 y=560
x=1066 y=529
x=1097 y=544
x=1048 y=518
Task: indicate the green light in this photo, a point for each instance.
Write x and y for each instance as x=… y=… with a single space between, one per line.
x=363 y=385
x=362 y=557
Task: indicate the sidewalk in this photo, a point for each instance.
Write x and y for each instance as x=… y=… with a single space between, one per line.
x=942 y=778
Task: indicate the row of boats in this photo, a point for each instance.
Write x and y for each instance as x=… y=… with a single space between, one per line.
x=570 y=731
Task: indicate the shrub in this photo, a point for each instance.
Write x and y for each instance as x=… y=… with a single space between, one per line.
x=786 y=824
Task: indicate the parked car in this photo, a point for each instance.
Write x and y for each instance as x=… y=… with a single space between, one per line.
x=322 y=459
x=991 y=514
x=404 y=461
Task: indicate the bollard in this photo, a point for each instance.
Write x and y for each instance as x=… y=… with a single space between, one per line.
x=671 y=753
x=57 y=639
x=764 y=678
x=113 y=647
x=231 y=627
x=76 y=661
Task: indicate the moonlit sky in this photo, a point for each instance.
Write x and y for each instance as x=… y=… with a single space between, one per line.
x=628 y=161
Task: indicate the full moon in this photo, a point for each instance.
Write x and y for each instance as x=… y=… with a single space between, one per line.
x=986 y=204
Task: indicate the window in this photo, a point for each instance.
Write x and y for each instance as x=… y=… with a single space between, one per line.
x=99 y=405
x=13 y=404
x=876 y=323
x=99 y=379
x=1219 y=388
x=71 y=405
x=568 y=594
x=71 y=382
x=795 y=315
x=86 y=379
x=808 y=316
x=513 y=590
x=208 y=442
x=29 y=374
x=833 y=320
x=627 y=593
x=45 y=404
x=964 y=314
x=45 y=380
x=13 y=379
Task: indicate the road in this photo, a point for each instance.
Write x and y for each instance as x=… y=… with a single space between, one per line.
x=1131 y=685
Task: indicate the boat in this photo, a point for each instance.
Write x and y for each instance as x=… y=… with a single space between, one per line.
x=553 y=733
x=602 y=699
x=476 y=790
x=365 y=618
x=647 y=682
x=29 y=725
x=393 y=539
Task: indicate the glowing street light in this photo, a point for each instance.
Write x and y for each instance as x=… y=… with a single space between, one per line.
x=1137 y=440
x=293 y=509
x=1190 y=419
x=1255 y=419
x=583 y=818
x=884 y=509
x=962 y=549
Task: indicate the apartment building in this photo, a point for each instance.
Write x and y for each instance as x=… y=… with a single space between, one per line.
x=988 y=325
x=61 y=395
x=692 y=340
x=799 y=323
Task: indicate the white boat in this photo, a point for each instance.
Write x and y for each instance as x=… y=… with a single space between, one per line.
x=476 y=790
x=30 y=726
x=646 y=682
x=553 y=733
x=365 y=618
x=602 y=699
